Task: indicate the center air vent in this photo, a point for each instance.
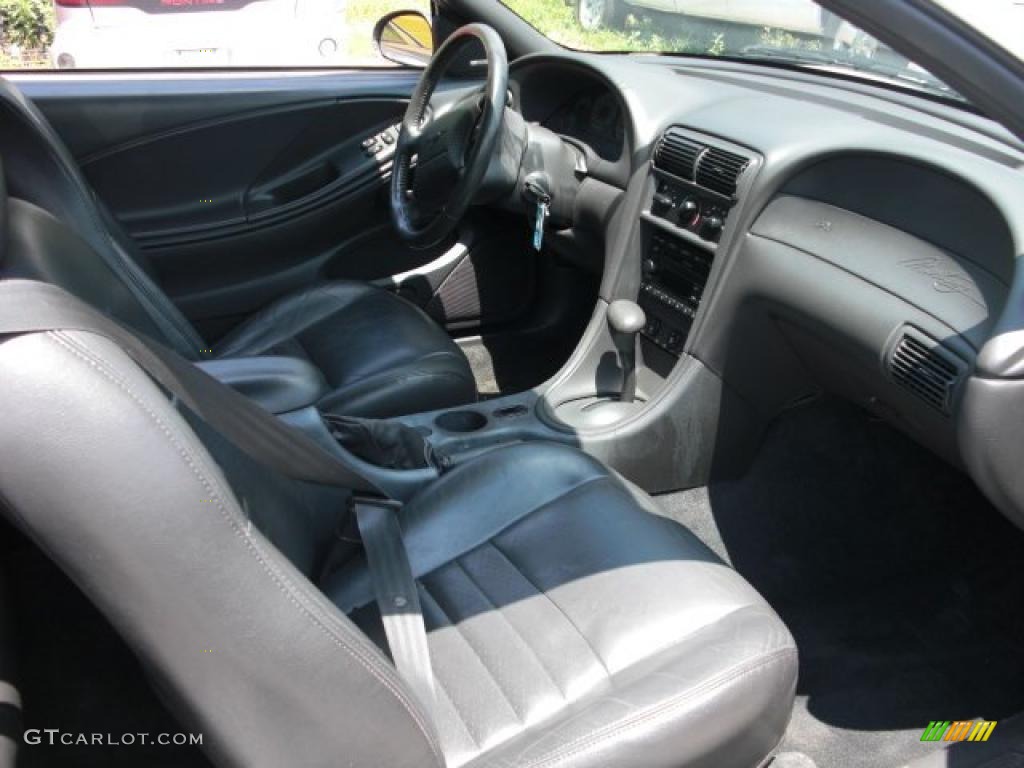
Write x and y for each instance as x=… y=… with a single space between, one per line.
x=710 y=167
x=920 y=366
x=677 y=154
x=720 y=170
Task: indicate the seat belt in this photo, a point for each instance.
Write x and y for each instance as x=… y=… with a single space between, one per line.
x=397 y=597
x=27 y=306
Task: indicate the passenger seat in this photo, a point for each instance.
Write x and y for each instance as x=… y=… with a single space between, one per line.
x=569 y=625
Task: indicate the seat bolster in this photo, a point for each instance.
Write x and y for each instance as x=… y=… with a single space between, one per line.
x=721 y=698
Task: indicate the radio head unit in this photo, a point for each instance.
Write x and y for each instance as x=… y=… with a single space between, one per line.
x=674 y=276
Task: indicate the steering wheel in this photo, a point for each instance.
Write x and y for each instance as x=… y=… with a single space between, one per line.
x=452 y=149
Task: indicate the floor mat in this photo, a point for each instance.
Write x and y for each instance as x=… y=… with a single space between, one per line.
x=901 y=584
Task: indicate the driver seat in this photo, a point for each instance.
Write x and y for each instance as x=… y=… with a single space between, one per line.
x=380 y=356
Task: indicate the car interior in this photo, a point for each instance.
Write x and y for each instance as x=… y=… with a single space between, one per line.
x=691 y=389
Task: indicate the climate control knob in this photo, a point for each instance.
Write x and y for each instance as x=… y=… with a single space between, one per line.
x=688 y=212
x=712 y=227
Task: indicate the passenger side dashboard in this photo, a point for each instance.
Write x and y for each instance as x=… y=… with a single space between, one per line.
x=873 y=277
x=866 y=246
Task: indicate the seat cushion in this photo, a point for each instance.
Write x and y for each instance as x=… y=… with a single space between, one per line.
x=381 y=356
x=570 y=625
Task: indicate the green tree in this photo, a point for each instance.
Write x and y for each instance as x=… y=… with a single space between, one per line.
x=28 y=24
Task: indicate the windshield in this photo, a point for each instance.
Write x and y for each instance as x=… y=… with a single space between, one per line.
x=798 y=32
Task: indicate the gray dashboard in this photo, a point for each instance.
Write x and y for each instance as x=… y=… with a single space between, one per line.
x=871 y=251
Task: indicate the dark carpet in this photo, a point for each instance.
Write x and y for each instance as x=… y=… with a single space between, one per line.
x=900 y=582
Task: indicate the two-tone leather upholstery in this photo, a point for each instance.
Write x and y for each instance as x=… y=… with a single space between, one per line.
x=380 y=355
x=569 y=625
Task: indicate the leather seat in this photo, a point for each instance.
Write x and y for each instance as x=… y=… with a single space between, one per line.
x=380 y=355
x=569 y=625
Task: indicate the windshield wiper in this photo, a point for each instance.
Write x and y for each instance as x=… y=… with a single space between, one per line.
x=849 y=60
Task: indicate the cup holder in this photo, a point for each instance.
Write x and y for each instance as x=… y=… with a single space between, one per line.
x=461 y=421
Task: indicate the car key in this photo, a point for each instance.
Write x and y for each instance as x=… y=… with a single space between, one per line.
x=535 y=191
x=538 y=223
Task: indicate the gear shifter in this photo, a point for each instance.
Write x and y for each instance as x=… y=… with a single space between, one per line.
x=626 y=318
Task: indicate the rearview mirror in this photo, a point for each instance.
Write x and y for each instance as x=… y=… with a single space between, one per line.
x=404 y=37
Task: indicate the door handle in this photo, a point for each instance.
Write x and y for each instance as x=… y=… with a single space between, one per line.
x=294 y=187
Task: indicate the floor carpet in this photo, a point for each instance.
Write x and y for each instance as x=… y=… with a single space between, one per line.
x=900 y=582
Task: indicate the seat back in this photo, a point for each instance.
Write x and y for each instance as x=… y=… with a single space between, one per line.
x=111 y=271
x=201 y=560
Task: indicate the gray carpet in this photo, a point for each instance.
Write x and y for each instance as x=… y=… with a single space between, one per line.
x=901 y=584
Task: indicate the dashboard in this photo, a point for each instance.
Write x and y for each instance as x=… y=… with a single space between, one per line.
x=791 y=234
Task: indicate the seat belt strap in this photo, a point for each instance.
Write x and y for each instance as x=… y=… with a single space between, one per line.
x=397 y=595
x=32 y=307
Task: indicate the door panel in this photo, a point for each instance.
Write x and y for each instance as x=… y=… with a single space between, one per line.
x=239 y=189
x=221 y=177
x=242 y=187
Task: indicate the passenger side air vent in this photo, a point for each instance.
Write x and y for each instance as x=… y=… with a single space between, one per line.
x=920 y=366
x=720 y=170
x=677 y=154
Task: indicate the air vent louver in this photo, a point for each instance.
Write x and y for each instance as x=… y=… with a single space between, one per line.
x=677 y=154
x=924 y=371
x=720 y=170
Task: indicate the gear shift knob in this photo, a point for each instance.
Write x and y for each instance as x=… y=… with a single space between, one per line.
x=626 y=318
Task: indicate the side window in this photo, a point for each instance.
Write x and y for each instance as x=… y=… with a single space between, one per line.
x=174 y=34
